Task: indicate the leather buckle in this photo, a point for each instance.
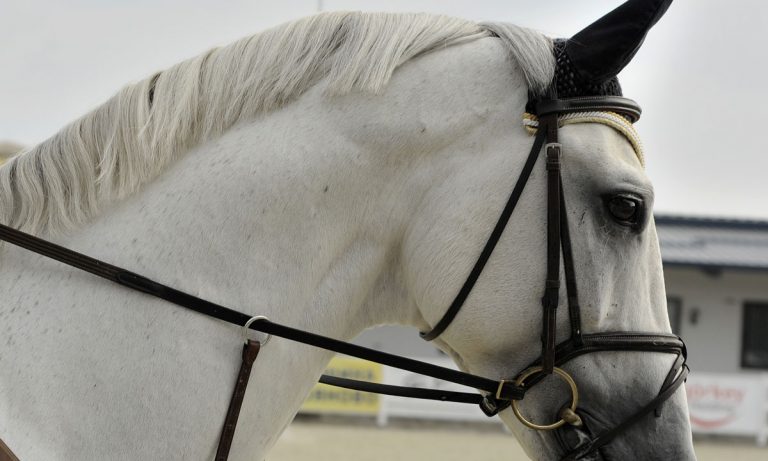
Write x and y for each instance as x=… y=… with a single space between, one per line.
x=500 y=388
x=555 y=147
x=553 y=150
x=489 y=407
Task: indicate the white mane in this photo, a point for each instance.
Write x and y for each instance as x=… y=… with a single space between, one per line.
x=128 y=140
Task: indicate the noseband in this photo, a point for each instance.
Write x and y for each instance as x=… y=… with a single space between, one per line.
x=496 y=395
x=558 y=240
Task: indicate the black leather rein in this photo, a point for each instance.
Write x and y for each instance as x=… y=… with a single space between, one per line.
x=504 y=389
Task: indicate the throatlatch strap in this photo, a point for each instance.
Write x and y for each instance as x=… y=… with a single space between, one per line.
x=493 y=239
x=250 y=351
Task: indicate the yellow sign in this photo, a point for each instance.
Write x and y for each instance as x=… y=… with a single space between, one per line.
x=330 y=399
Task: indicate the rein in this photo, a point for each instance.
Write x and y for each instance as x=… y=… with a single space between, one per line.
x=145 y=285
x=496 y=395
x=498 y=391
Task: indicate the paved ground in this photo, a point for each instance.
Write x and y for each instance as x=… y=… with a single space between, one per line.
x=308 y=439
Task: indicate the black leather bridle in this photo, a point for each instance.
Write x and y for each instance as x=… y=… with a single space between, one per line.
x=496 y=394
x=558 y=239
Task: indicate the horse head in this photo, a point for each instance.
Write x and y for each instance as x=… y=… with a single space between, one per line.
x=612 y=272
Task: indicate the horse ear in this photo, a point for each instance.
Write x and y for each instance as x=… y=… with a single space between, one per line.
x=604 y=47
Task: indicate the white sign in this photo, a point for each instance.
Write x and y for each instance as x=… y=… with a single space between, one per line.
x=726 y=404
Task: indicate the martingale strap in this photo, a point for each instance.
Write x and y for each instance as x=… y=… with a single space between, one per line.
x=250 y=352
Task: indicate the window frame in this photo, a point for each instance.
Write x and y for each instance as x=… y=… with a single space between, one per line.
x=676 y=320
x=745 y=321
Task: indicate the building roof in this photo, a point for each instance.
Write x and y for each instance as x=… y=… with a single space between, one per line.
x=713 y=243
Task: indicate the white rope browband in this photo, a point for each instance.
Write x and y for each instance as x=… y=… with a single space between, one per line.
x=611 y=119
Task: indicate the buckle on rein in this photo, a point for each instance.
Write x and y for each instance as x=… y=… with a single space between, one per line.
x=567 y=414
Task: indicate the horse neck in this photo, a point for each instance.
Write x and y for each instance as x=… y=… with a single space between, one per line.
x=301 y=228
x=300 y=216
x=285 y=230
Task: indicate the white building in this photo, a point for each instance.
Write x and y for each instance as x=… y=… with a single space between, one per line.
x=716 y=271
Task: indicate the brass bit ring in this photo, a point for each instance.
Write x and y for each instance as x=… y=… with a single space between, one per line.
x=565 y=377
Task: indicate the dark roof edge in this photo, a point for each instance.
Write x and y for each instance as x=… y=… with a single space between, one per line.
x=713 y=266
x=722 y=223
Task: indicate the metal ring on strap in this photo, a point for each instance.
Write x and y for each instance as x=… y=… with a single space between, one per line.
x=574 y=399
x=247 y=326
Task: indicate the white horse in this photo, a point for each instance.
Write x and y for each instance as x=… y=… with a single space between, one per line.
x=333 y=174
x=8 y=149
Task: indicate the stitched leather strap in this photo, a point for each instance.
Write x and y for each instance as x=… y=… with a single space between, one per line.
x=551 y=298
x=250 y=352
x=612 y=341
x=623 y=106
x=574 y=310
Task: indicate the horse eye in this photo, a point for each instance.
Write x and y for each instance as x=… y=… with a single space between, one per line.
x=625 y=210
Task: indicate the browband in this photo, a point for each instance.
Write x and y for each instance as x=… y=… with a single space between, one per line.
x=622 y=106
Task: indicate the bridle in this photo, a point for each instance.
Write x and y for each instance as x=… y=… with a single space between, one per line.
x=558 y=239
x=497 y=395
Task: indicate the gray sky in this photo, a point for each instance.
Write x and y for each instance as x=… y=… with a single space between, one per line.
x=700 y=75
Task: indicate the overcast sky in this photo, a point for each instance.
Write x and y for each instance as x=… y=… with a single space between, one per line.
x=700 y=76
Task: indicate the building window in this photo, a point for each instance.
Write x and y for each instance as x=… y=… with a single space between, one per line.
x=675 y=311
x=754 y=348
